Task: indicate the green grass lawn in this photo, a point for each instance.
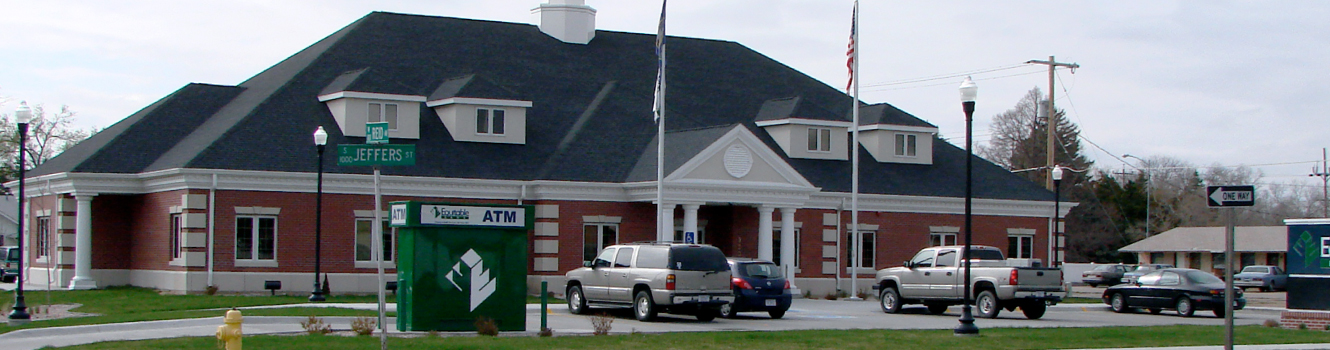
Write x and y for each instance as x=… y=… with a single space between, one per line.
x=995 y=338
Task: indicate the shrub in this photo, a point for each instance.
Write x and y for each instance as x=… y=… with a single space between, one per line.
x=546 y=332
x=486 y=326
x=363 y=325
x=1270 y=323
x=1302 y=326
x=315 y=325
x=600 y=324
x=210 y=290
x=831 y=296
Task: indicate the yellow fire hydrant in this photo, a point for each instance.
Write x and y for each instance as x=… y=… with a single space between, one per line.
x=230 y=332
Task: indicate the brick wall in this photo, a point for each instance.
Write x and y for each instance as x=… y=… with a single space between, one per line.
x=1317 y=320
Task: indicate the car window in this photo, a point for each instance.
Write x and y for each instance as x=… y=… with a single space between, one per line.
x=1149 y=279
x=1198 y=277
x=1170 y=279
x=1120 y=268
x=606 y=257
x=1103 y=268
x=1255 y=269
x=1276 y=270
x=649 y=257
x=697 y=258
x=624 y=258
x=760 y=270
x=946 y=258
x=12 y=254
x=986 y=254
x=923 y=259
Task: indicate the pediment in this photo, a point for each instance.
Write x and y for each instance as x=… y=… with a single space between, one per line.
x=738 y=157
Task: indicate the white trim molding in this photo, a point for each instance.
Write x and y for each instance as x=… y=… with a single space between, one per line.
x=479 y=101
x=371 y=96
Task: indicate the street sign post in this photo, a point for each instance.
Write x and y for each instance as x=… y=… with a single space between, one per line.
x=376 y=133
x=1230 y=196
x=372 y=155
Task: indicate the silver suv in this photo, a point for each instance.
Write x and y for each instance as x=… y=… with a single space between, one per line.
x=691 y=279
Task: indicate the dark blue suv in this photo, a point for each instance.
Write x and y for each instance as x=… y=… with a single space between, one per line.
x=758 y=286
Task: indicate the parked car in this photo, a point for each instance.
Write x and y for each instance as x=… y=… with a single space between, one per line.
x=1139 y=270
x=1184 y=290
x=1107 y=274
x=935 y=278
x=1262 y=277
x=10 y=273
x=758 y=285
x=691 y=279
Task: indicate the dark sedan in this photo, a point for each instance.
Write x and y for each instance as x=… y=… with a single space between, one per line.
x=1184 y=290
x=758 y=286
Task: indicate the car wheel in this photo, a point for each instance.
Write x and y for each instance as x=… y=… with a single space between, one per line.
x=1034 y=310
x=1219 y=313
x=890 y=300
x=1156 y=311
x=778 y=313
x=987 y=304
x=936 y=308
x=728 y=310
x=707 y=314
x=643 y=308
x=1119 y=303
x=1184 y=307
x=576 y=301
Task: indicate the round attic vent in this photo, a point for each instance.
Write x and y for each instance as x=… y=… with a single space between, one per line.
x=738 y=161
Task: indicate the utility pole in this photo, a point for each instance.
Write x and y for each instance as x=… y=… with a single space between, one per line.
x=1052 y=127
x=1325 y=180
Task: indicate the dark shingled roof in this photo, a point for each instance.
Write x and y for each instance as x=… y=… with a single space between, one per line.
x=885 y=113
x=591 y=119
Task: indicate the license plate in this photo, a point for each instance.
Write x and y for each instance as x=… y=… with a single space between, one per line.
x=771 y=302
x=1040 y=294
x=704 y=298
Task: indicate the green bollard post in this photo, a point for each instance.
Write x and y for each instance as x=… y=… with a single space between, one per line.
x=544 y=305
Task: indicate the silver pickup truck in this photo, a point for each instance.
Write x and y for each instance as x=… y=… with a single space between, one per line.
x=934 y=276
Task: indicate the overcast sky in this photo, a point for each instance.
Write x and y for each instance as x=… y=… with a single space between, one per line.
x=1227 y=82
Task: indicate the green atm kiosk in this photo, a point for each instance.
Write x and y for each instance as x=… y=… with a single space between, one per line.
x=460 y=262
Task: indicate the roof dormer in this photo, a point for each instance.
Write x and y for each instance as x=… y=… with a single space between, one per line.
x=475 y=109
x=794 y=128
x=353 y=103
x=894 y=136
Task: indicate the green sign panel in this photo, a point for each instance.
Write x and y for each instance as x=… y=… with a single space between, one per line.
x=376 y=133
x=368 y=155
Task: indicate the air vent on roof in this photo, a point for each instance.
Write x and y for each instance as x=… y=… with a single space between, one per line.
x=570 y=21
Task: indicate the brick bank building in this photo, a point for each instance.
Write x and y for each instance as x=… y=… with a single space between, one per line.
x=216 y=185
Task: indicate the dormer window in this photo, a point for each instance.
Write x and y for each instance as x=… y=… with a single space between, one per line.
x=490 y=121
x=906 y=145
x=383 y=112
x=819 y=140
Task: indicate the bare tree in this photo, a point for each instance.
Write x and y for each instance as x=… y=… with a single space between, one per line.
x=48 y=135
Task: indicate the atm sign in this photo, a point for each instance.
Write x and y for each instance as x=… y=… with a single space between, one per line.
x=472 y=216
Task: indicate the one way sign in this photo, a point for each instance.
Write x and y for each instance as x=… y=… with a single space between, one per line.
x=1230 y=196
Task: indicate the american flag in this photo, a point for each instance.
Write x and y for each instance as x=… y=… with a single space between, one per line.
x=854 y=34
x=658 y=105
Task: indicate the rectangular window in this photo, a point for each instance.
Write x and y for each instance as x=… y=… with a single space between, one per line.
x=1020 y=246
x=819 y=140
x=365 y=243
x=596 y=237
x=176 y=238
x=906 y=145
x=775 y=246
x=941 y=239
x=383 y=112
x=624 y=258
x=43 y=238
x=867 y=250
x=490 y=122
x=256 y=238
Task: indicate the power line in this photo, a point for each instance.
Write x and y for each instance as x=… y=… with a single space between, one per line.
x=949 y=83
x=946 y=76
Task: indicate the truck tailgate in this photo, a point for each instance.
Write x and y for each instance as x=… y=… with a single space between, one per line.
x=1039 y=279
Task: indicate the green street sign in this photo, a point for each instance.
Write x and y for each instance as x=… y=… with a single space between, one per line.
x=368 y=155
x=376 y=133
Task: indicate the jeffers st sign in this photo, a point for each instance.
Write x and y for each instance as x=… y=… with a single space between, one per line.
x=381 y=154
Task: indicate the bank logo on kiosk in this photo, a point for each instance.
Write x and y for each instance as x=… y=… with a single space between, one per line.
x=472 y=216
x=481 y=285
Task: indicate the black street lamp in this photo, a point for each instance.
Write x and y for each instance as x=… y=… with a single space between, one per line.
x=968 y=93
x=1057 y=217
x=23 y=115
x=320 y=140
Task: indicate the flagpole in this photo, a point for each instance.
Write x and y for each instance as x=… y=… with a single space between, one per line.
x=854 y=154
x=660 y=129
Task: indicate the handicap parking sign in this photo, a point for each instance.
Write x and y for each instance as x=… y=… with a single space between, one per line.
x=690 y=237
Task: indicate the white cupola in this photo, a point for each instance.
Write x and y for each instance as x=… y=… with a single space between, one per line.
x=570 y=21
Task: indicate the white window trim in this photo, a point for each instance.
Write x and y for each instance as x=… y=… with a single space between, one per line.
x=599 y=234
x=902 y=151
x=817 y=148
x=945 y=235
x=1013 y=255
x=775 y=234
x=43 y=255
x=177 y=222
x=383 y=114
x=872 y=255
x=255 y=262
x=489 y=120
x=369 y=264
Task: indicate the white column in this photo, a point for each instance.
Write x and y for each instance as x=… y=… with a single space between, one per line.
x=690 y=219
x=666 y=233
x=787 y=243
x=764 y=232
x=83 y=245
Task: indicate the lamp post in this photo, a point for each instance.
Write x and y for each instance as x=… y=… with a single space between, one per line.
x=1057 y=211
x=1149 y=183
x=968 y=93
x=320 y=140
x=23 y=115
